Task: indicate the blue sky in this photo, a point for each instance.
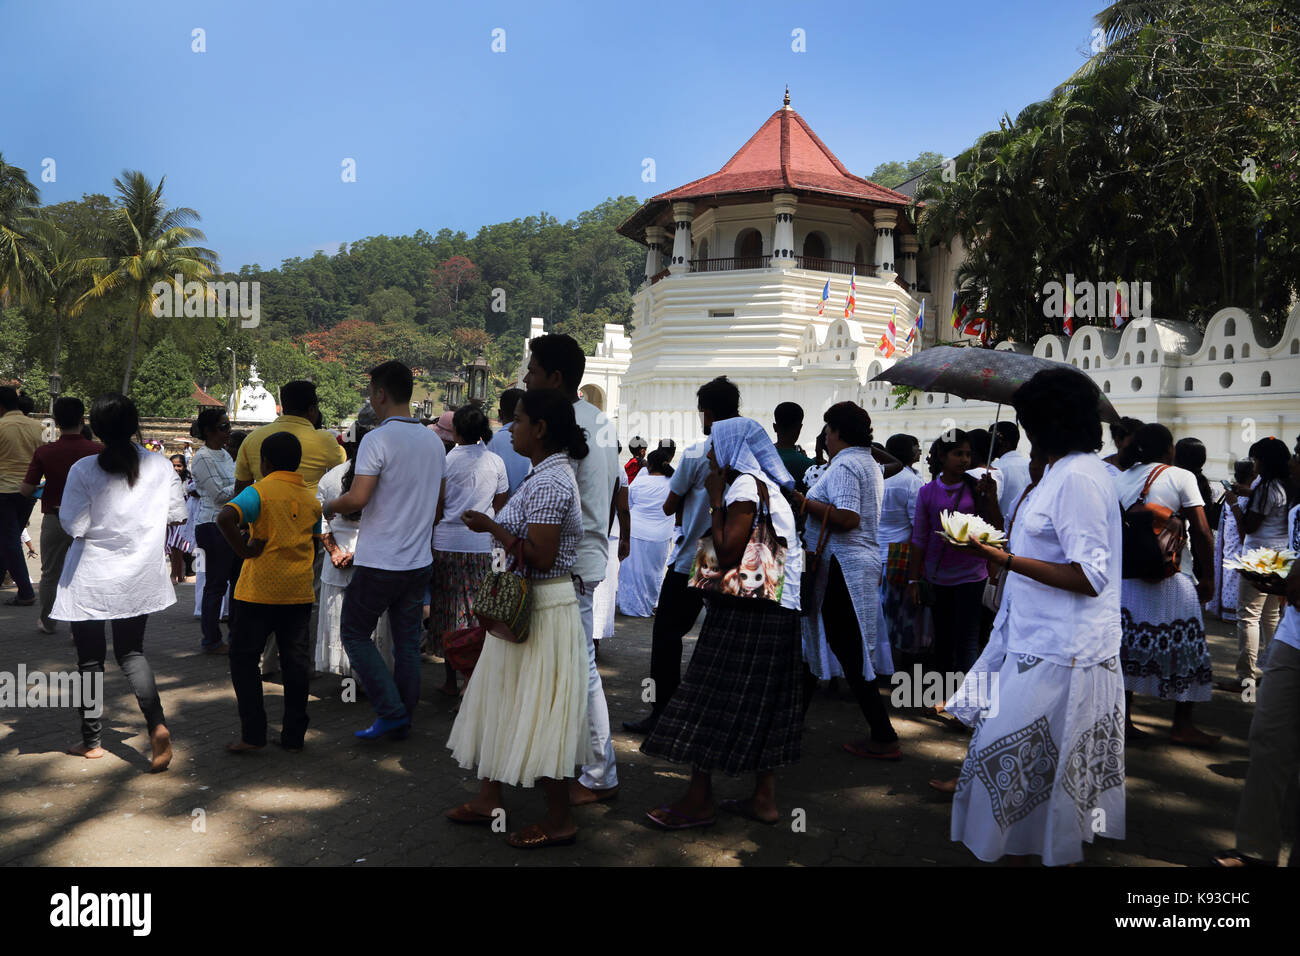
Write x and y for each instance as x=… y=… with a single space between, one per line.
x=447 y=133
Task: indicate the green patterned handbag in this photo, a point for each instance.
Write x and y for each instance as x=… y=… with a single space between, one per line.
x=503 y=603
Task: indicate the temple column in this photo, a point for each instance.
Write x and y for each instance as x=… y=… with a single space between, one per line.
x=655 y=236
x=783 y=205
x=683 y=214
x=886 y=220
x=910 y=245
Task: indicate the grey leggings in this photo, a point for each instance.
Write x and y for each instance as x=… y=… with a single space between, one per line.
x=128 y=649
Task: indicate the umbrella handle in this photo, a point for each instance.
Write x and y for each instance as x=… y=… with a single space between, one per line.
x=993 y=433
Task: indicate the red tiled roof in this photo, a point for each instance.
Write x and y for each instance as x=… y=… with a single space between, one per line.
x=203 y=399
x=785 y=154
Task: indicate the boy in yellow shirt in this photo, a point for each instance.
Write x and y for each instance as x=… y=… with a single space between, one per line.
x=274 y=591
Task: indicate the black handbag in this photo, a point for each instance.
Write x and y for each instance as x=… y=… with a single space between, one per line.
x=811 y=564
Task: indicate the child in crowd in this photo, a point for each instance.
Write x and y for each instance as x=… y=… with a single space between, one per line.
x=274 y=592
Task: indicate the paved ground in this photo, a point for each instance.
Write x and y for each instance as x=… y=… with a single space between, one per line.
x=342 y=803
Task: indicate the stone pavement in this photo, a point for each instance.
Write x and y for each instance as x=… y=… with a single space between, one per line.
x=341 y=802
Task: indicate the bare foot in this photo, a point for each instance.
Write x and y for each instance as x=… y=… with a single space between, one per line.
x=161 y=741
x=239 y=747
x=90 y=753
x=580 y=796
x=944 y=786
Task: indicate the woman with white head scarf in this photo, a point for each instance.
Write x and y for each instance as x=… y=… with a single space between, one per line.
x=739 y=708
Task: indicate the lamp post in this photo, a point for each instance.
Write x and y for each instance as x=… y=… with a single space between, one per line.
x=234 y=403
x=428 y=408
x=477 y=371
x=455 y=391
x=56 y=386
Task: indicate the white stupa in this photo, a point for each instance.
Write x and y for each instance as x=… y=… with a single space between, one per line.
x=256 y=404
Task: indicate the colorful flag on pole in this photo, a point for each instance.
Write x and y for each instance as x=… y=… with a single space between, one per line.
x=826 y=294
x=890 y=338
x=1120 y=307
x=917 y=326
x=958 y=315
x=851 y=303
x=974 y=326
x=885 y=346
x=1069 y=311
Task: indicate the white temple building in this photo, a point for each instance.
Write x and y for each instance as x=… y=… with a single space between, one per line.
x=255 y=406
x=735 y=267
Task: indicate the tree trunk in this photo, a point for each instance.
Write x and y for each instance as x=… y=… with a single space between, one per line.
x=130 y=356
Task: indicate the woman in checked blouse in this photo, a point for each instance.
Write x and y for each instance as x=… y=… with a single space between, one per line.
x=523 y=718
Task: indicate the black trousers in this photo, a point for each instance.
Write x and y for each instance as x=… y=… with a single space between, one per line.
x=958 y=613
x=15 y=509
x=128 y=649
x=220 y=571
x=675 y=615
x=845 y=639
x=250 y=626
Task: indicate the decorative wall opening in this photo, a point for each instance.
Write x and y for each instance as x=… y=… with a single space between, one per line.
x=1265 y=380
x=1187 y=384
x=749 y=246
x=1225 y=380
x=1141 y=336
x=1136 y=384
x=1230 y=327
x=1227 y=353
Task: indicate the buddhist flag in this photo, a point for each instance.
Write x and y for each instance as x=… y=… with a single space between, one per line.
x=975 y=326
x=885 y=346
x=826 y=294
x=1120 y=307
x=851 y=303
x=917 y=326
x=1069 y=311
x=958 y=316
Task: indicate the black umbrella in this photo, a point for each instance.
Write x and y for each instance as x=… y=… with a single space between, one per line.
x=987 y=375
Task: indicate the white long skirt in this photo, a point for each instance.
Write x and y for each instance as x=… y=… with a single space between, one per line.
x=641 y=577
x=602 y=602
x=1045 y=769
x=331 y=658
x=524 y=713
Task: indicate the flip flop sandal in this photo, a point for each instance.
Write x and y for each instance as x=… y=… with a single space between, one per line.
x=534 y=838
x=857 y=751
x=686 y=824
x=743 y=808
x=468 y=815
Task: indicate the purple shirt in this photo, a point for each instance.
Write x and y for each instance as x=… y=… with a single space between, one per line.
x=944 y=564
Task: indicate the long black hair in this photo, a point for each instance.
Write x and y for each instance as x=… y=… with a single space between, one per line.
x=562 y=432
x=1190 y=454
x=116 y=423
x=1273 y=461
x=939 y=450
x=471 y=424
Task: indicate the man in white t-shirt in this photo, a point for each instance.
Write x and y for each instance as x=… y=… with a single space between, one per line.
x=1012 y=463
x=398 y=474
x=556 y=361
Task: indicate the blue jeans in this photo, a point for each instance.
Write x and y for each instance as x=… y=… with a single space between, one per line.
x=370 y=593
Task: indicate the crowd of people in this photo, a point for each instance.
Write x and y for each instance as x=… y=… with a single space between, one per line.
x=352 y=558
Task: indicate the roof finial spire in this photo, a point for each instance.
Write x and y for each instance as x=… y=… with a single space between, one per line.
x=787 y=96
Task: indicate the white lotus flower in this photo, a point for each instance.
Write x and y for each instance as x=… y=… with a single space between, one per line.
x=1266 y=561
x=960 y=527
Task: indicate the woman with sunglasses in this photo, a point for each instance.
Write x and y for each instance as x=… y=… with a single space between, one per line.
x=214 y=477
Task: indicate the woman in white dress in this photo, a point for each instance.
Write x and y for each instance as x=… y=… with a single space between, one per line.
x=652 y=536
x=842 y=636
x=1164 y=653
x=117 y=507
x=213 y=469
x=620 y=545
x=1045 y=770
x=475 y=480
x=339 y=536
x=1227 y=545
x=523 y=719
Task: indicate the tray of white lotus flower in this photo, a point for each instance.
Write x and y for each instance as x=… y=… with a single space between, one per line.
x=959 y=528
x=1263 y=561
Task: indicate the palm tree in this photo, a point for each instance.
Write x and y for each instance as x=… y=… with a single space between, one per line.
x=145 y=244
x=65 y=273
x=19 y=270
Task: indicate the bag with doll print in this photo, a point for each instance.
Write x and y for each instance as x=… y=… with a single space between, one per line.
x=760 y=573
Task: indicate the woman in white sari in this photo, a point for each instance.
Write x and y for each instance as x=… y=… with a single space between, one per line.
x=1045 y=770
x=641 y=577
